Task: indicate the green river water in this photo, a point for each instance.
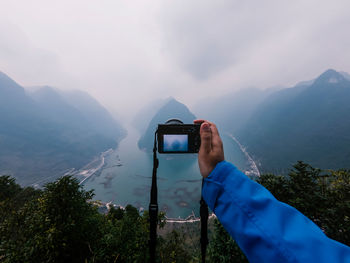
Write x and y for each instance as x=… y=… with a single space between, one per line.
x=179 y=180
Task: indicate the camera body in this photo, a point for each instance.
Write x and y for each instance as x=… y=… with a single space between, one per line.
x=176 y=137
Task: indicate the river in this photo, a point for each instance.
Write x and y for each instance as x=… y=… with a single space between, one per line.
x=125 y=177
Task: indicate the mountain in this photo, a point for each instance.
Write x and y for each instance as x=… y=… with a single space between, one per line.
x=230 y=112
x=11 y=91
x=145 y=115
x=9 y=88
x=172 y=109
x=56 y=109
x=306 y=122
x=97 y=116
x=345 y=75
x=77 y=109
x=42 y=135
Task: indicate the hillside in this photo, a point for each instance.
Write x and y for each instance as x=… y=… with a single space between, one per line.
x=307 y=122
x=43 y=134
x=230 y=112
x=146 y=113
x=97 y=116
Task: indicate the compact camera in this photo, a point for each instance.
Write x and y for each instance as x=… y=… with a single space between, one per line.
x=176 y=137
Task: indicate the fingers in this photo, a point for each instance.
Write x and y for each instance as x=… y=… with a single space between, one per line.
x=206 y=137
x=199 y=121
x=216 y=142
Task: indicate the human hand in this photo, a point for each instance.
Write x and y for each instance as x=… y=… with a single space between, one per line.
x=211 y=151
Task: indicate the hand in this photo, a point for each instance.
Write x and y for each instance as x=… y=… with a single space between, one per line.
x=211 y=151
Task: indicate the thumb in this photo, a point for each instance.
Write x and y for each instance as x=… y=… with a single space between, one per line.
x=205 y=133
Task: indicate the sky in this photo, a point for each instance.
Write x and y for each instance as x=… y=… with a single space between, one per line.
x=129 y=53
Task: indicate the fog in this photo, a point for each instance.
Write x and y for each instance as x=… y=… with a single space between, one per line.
x=128 y=53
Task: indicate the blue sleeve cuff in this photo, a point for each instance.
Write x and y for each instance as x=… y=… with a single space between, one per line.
x=213 y=184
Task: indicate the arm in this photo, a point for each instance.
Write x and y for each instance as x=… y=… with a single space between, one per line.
x=265 y=229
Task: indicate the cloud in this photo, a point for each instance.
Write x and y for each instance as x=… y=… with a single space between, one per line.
x=22 y=60
x=206 y=37
x=259 y=39
x=127 y=53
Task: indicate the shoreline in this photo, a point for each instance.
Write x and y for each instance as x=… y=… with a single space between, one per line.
x=192 y=218
x=81 y=175
x=86 y=173
x=254 y=170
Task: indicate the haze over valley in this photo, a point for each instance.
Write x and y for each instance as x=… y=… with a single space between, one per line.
x=46 y=133
x=83 y=85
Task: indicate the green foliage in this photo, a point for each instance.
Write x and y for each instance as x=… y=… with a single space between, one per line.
x=125 y=237
x=61 y=224
x=222 y=248
x=57 y=226
x=324 y=197
x=8 y=188
x=172 y=248
x=336 y=219
x=13 y=197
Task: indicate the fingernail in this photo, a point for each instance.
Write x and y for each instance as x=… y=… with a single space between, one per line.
x=206 y=127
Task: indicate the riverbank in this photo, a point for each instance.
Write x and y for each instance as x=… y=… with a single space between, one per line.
x=92 y=168
x=253 y=171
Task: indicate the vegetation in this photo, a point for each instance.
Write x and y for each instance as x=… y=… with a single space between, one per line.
x=61 y=224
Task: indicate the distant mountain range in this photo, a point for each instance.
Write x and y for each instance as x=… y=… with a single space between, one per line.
x=309 y=122
x=44 y=132
x=171 y=109
x=231 y=111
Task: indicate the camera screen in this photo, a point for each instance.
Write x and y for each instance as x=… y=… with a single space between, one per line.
x=175 y=143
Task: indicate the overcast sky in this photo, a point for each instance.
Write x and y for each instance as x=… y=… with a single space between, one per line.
x=127 y=53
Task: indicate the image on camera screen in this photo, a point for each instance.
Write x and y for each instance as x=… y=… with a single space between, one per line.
x=175 y=143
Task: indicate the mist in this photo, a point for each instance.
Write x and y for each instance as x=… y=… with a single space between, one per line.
x=129 y=53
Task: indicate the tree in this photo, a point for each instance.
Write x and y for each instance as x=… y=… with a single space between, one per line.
x=336 y=221
x=172 y=248
x=322 y=196
x=8 y=188
x=61 y=224
x=222 y=248
x=124 y=238
x=58 y=226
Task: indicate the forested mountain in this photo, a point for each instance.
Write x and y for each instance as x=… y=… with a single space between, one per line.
x=345 y=75
x=145 y=115
x=96 y=115
x=172 y=109
x=77 y=108
x=44 y=134
x=307 y=122
x=231 y=112
x=55 y=108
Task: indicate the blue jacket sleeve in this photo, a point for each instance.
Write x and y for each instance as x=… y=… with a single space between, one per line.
x=265 y=229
